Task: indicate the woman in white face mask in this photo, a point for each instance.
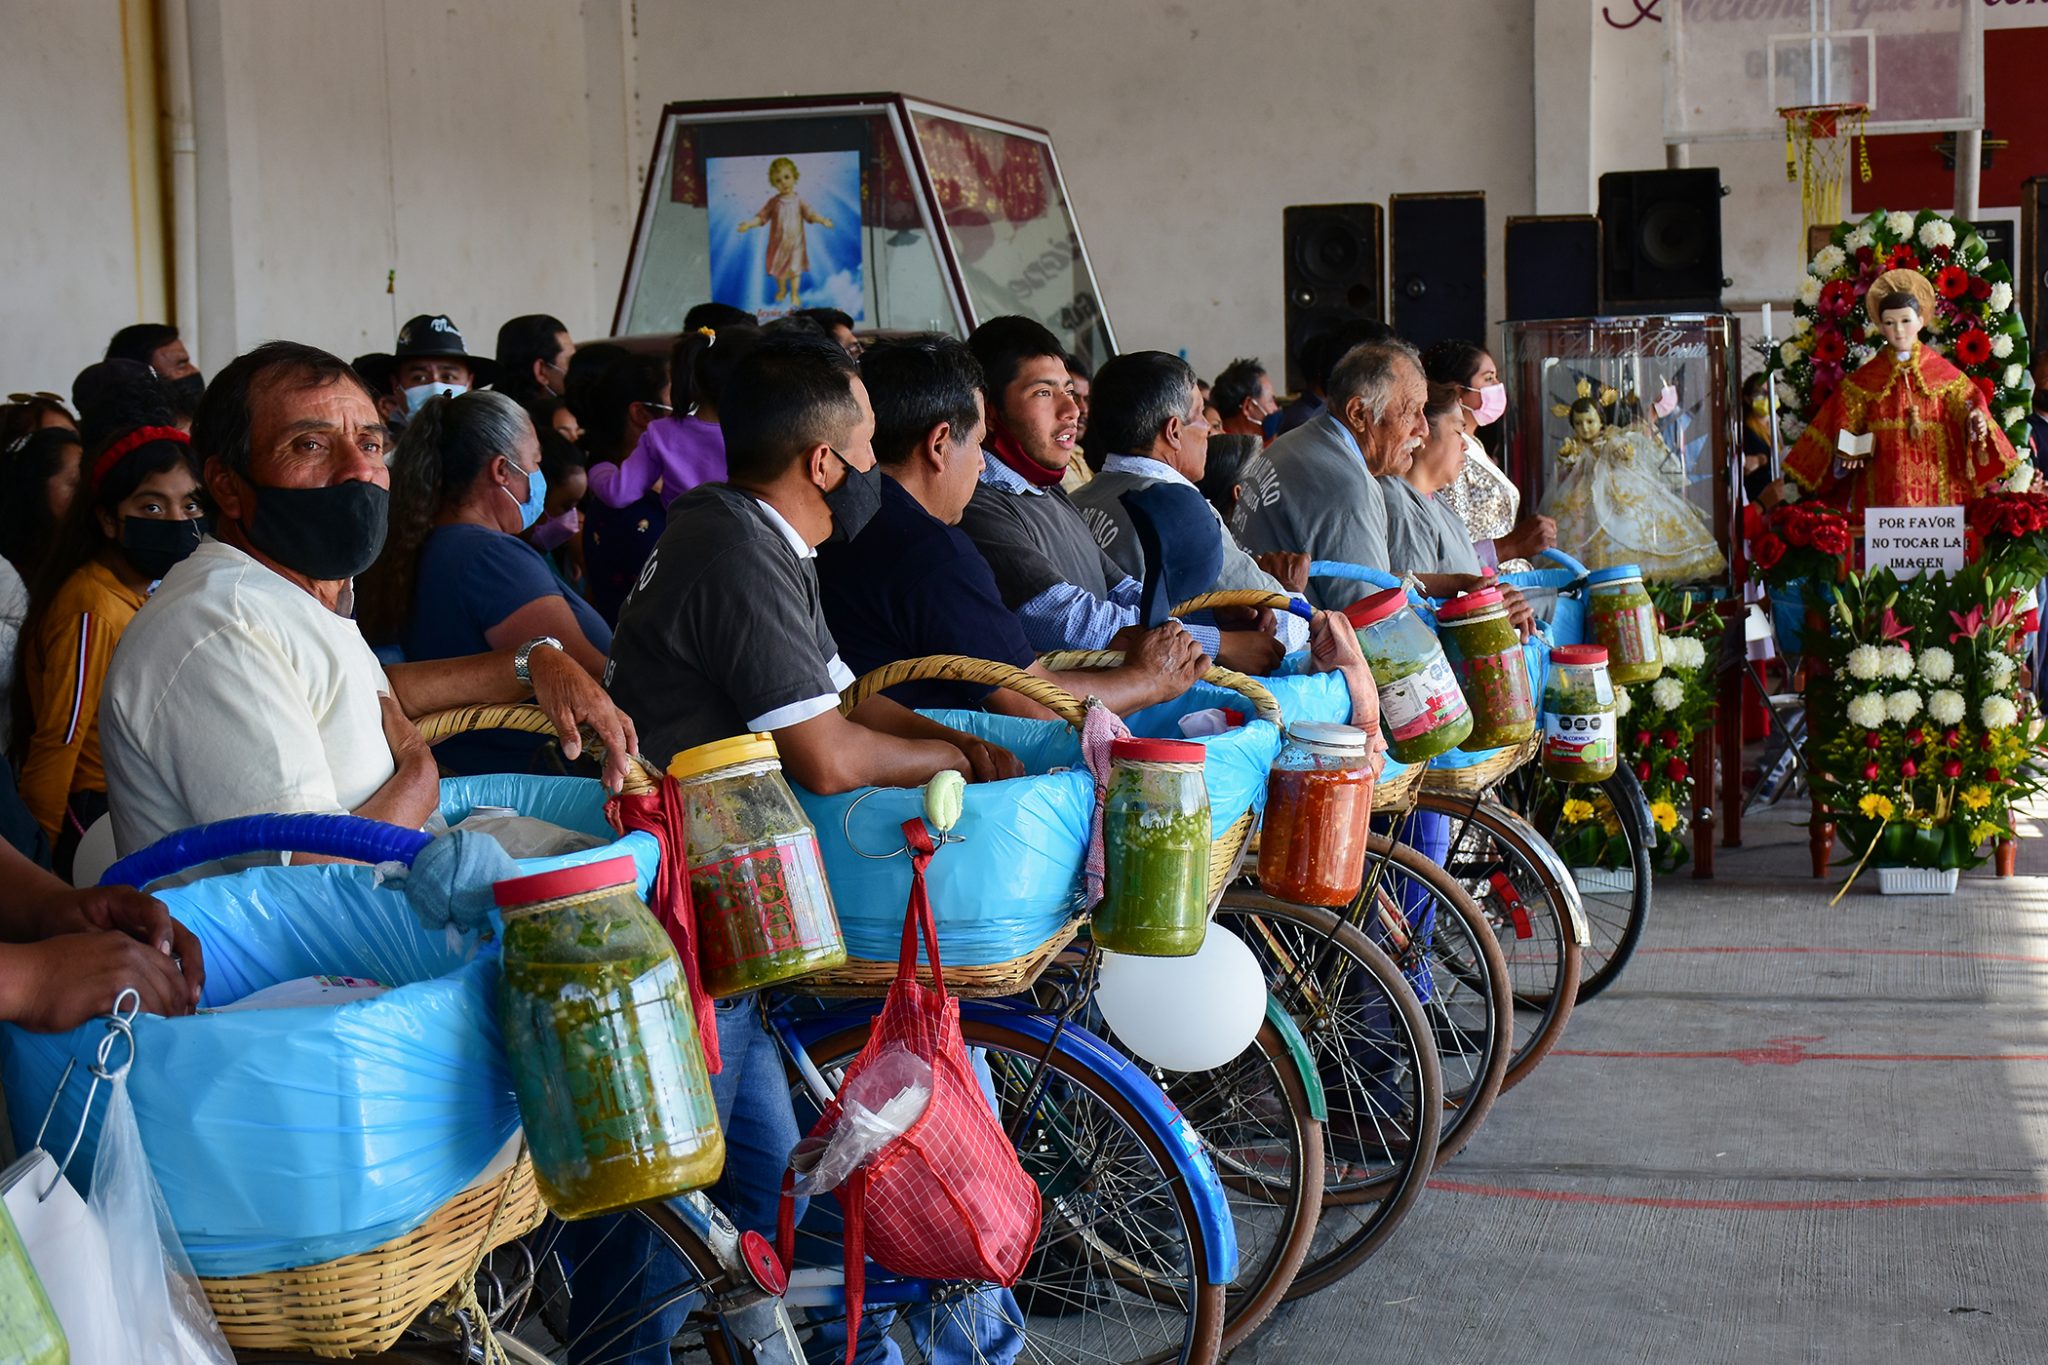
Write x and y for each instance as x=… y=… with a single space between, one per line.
x=1484 y=496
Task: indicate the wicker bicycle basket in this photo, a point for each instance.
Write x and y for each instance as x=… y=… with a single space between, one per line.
x=1475 y=779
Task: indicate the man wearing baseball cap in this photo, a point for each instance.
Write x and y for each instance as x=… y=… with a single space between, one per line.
x=429 y=359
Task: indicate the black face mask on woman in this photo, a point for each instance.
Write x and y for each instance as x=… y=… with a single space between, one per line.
x=154 y=545
x=327 y=534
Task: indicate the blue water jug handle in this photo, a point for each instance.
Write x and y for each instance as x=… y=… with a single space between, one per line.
x=332 y=836
x=1337 y=568
x=1563 y=561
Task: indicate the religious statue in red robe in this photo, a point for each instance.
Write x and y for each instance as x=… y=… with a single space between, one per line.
x=1908 y=429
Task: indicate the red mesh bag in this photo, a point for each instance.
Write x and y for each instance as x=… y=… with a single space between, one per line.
x=947 y=1200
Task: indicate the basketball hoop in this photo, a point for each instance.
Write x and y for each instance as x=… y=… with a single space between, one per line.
x=1817 y=156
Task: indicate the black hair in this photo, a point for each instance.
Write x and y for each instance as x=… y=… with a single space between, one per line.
x=114 y=395
x=827 y=318
x=1135 y=395
x=788 y=395
x=559 y=456
x=1002 y=345
x=716 y=316
x=605 y=381
x=915 y=383
x=1587 y=404
x=140 y=341
x=1078 y=368
x=1451 y=361
x=521 y=341
x=221 y=430
x=18 y=420
x=1238 y=382
x=1228 y=456
x=26 y=523
x=699 y=364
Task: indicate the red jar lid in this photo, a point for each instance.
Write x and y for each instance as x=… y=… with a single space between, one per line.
x=1371 y=610
x=564 y=881
x=1579 y=654
x=1471 y=604
x=1157 y=750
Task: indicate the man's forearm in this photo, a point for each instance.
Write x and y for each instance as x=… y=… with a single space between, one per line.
x=473 y=680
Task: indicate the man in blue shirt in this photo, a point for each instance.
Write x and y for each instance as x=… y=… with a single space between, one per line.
x=911 y=584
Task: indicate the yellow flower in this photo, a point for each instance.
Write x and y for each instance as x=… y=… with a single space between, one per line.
x=1984 y=831
x=1665 y=814
x=1876 y=807
x=1975 y=798
x=1576 y=811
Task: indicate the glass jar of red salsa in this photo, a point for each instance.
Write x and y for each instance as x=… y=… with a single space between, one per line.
x=1318 y=815
x=1485 y=653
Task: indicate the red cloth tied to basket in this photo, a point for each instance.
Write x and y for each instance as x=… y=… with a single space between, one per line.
x=661 y=814
x=948 y=1199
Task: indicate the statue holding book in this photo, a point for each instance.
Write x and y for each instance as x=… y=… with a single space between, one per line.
x=1907 y=429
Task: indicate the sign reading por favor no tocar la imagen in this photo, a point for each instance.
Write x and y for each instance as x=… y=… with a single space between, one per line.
x=1912 y=540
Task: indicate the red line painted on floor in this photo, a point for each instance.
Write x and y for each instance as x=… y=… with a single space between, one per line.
x=1791 y=1051
x=1928 y=1201
x=1862 y=952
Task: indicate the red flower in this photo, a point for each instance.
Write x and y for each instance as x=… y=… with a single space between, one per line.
x=1752 y=521
x=1980 y=288
x=1831 y=537
x=1828 y=346
x=1985 y=386
x=1767 y=551
x=1870 y=772
x=2030 y=621
x=1909 y=769
x=1668 y=738
x=1676 y=770
x=1902 y=258
x=1993 y=775
x=1952 y=769
x=1916 y=736
x=1642 y=772
x=1872 y=740
x=1973 y=348
x=1642 y=739
x=1951 y=738
x=1952 y=282
x=1837 y=298
x=1798 y=528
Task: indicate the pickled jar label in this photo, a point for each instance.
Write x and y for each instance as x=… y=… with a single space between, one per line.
x=1425 y=700
x=1628 y=631
x=1582 y=739
x=770 y=901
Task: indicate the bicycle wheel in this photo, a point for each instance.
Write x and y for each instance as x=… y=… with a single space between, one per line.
x=1376 y=1059
x=1256 y=1124
x=1117 y=1275
x=1617 y=896
x=1494 y=856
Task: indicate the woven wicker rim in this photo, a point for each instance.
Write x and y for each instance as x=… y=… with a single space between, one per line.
x=1474 y=778
x=1234 y=597
x=1251 y=689
x=641 y=779
x=962 y=668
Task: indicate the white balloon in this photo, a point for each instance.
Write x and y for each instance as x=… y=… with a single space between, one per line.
x=1185 y=1013
x=95 y=853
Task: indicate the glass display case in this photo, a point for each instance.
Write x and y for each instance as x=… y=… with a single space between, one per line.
x=1626 y=430
x=907 y=215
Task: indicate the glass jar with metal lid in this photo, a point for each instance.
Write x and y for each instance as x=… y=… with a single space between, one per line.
x=1421 y=707
x=1318 y=815
x=602 y=1043
x=1485 y=653
x=1155 y=833
x=757 y=882
x=1580 y=739
x=1624 y=619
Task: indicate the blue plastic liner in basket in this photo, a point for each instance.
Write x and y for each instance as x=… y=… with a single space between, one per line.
x=290 y=1137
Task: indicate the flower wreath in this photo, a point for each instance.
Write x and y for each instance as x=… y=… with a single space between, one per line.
x=1973 y=318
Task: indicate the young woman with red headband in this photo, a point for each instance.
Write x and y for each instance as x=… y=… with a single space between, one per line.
x=139 y=510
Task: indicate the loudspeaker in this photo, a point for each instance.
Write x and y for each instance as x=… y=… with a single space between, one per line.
x=1661 y=233
x=1553 y=266
x=1335 y=258
x=1438 y=282
x=2030 y=278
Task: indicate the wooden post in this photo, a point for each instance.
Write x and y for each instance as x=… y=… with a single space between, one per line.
x=2006 y=857
x=1729 y=726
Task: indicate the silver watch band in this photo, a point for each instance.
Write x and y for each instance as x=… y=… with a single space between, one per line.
x=522 y=658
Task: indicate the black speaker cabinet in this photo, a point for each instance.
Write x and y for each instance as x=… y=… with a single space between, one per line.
x=1553 y=267
x=2030 y=278
x=1438 y=281
x=1336 y=257
x=1661 y=235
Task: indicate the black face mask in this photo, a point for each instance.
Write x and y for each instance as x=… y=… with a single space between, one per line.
x=327 y=534
x=854 y=503
x=153 y=545
x=186 y=389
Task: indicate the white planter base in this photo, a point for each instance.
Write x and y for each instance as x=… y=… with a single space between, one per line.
x=1916 y=881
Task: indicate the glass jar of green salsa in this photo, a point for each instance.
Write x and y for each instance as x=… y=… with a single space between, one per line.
x=1625 y=621
x=757 y=884
x=1485 y=653
x=602 y=1043
x=1422 y=709
x=1155 y=833
x=1579 y=732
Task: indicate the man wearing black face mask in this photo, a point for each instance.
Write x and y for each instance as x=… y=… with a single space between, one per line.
x=243 y=686
x=156 y=345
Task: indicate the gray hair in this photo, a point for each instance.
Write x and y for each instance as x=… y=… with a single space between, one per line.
x=1371 y=372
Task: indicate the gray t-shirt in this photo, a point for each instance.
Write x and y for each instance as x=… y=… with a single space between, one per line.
x=1423 y=534
x=1328 y=506
x=1035 y=540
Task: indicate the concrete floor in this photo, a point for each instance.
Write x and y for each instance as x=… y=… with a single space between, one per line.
x=1787 y=1134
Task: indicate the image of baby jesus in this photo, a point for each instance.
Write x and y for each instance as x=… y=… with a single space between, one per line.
x=784 y=215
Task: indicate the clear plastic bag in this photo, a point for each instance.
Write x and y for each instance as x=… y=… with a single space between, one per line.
x=880 y=1104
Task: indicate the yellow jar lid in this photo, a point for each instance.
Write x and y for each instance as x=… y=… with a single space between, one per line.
x=721 y=753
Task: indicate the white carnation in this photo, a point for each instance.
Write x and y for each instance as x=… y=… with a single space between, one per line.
x=1946 y=707
x=1691 y=653
x=1898 y=662
x=1859 y=237
x=1865 y=663
x=2001 y=346
x=1937 y=665
x=2022 y=477
x=2011 y=418
x=1899 y=223
x=1937 y=232
x=1902 y=705
x=1998 y=713
x=1667 y=694
x=1809 y=291
x=1998 y=670
x=1866 y=710
x=1827 y=261
x=1790 y=353
x=2012 y=377
x=1622 y=704
x=2000 y=300
x=1801 y=325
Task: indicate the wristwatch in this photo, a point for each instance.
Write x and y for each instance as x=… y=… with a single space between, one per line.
x=522 y=657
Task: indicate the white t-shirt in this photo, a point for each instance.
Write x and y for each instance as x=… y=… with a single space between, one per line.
x=236 y=692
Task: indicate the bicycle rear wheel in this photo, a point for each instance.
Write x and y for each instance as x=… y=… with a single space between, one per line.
x=1616 y=897
x=1118 y=1274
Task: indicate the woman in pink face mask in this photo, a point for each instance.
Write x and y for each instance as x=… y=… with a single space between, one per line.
x=1484 y=496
